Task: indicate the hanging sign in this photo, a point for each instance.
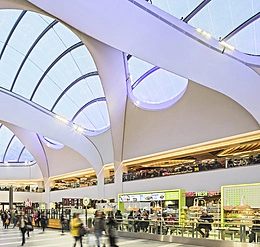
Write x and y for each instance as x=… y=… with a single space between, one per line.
x=86 y=201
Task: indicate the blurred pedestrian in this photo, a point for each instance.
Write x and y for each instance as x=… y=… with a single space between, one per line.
x=22 y=222
x=99 y=225
x=111 y=223
x=44 y=221
x=75 y=225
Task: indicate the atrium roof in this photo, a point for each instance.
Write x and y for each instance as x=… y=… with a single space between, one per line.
x=133 y=85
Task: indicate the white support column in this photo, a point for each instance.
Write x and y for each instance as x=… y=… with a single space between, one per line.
x=100 y=179
x=118 y=178
x=46 y=195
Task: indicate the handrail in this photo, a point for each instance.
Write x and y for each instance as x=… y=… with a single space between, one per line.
x=219 y=230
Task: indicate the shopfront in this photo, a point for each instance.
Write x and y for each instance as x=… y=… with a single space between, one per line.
x=241 y=203
x=203 y=200
x=162 y=201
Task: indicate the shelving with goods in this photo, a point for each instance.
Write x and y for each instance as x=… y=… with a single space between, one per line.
x=241 y=204
x=236 y=216
x=213 y=208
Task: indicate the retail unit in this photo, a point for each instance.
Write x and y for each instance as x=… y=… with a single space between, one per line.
x=161 y=201
x=203 y=200
x=241 y=203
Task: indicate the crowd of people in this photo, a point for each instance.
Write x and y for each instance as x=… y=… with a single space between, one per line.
x=24 y=221
x=102 y=225
x=196 y=166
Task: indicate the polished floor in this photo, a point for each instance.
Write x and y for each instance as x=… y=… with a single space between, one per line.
x=12 y=238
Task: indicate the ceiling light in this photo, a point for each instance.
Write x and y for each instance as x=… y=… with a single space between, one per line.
x=62 y=119
x=80 y=129
x=226 y=45
x=203 y=33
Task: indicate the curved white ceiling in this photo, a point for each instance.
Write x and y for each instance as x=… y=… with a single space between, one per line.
x=170 y=44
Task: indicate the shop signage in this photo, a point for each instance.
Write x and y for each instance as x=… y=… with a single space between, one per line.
x=153 y=197
x=142 y=197
x=28 y=203
x=172 y=195
x=203 y=193
x=86 y=201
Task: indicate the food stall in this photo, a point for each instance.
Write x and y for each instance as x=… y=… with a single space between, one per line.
x=165 y=200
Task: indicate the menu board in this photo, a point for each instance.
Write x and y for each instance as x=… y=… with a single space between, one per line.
x=72 y=202
x=130 y=198
x=172 y=195
x=237 y=195
x=153 y=197
x=124 y=198
x=142 y=197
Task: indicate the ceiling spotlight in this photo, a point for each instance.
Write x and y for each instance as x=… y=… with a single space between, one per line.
x=62 y=119
x=226 y=45
x=203 y=33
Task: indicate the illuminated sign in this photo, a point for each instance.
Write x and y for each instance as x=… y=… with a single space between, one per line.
x=86 y=201
x=153 y=197
x=142 y=197
x=172 y=195
x=28 y=203
x=203 y=193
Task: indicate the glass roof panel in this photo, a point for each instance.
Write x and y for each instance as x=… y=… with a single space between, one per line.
x=247 y=40
x=77 y=96
x=219 y=18
x=66 y=36
x=159 y=87
x=8 y=19
x=30 y=73
x=14 y=150
x=93 y=121
x=11 y=147
x=137 y=68
x=25 y=33
x=152 y=85
x=9 y=65
x=5 y=137
x=26 y=156
x=84 y=60
x=177 y=8
x=51 y=143
x=43 y=60
x=46 y=18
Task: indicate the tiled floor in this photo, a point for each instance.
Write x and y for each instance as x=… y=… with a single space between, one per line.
x=12 y=238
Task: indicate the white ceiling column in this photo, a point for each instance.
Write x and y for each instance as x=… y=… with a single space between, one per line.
x=32 y=143
x=111 y=67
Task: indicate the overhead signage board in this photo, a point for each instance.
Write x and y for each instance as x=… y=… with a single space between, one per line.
x=154 y=197
x=172 y=195
x=130 y=198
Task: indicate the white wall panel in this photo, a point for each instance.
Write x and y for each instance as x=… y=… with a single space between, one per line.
x=201 y=115
x=20 y=197
x=21 y=173
x=91 y=192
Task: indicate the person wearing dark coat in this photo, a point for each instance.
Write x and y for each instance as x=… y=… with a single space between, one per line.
x=44 y=221
x=119 y=219
x=255 y=229
x=205 y=221
x=111 y=223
